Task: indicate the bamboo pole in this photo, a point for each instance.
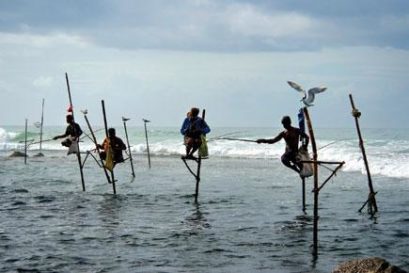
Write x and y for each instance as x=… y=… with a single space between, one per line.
x=94 y=139
x=129 y=146
x=25 y=143
x=106 y=133
x=356 y=114
x=78 y=145
x=147 y=142
x=316 y=192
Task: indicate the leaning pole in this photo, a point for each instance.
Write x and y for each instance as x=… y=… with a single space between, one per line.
x=107 y=136
x=373 y=208
x=78 y=145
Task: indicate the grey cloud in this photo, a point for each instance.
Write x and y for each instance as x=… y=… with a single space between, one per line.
x=208 y=25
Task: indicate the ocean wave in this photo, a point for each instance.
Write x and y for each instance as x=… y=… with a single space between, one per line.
x=387 y=157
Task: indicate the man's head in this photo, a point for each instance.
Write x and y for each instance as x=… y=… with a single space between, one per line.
x=69 y=118
x=194 y=112
x=286 y=121
x=111 y=132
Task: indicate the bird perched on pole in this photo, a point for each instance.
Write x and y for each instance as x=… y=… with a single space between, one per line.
x=308 y=97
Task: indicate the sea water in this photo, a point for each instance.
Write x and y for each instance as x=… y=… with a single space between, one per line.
x=248 y=217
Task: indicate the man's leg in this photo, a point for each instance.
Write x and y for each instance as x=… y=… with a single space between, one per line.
x=287 y=159
x=196 y=144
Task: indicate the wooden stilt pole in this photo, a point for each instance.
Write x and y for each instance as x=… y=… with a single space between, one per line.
x=106 y=133
x=371 y=198
x=301 y=125
x=25 y=143
x=316 y=191
x=303 y=193
x=199 y=165
x=78 y=145
x=147 y=142
x=41 y=128
x=94 y=139
x=129 y=146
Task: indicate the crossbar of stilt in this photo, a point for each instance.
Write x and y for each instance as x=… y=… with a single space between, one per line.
x=332 y=174
x=94 y=139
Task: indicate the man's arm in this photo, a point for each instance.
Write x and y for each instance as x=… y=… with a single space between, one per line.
x=59 y=136
x=63 y=135
x=78 y=130
x=185 y=126
x=272 y=140
x=122 y=145
x=205 y=128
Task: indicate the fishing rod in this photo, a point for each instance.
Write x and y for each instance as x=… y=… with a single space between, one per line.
x=50 y=139
x=90 y=137
x=250 y=140
x=45 y=140
x=238 y=139
x=224 y=135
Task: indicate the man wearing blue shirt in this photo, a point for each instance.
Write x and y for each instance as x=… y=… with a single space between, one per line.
x=192 y=128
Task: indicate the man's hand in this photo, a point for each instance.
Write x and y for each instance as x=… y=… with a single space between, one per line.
x=55 y=138
x=260 y=141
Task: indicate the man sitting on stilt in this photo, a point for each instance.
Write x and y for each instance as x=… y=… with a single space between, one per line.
x=192 y=128
x=116 y=144
x=291 y=136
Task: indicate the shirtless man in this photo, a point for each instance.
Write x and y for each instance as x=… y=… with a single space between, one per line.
x=291 y=136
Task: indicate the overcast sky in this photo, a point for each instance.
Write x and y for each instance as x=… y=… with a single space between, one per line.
x=155 y=59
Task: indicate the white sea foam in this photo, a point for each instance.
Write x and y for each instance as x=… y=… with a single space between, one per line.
x=388 y=154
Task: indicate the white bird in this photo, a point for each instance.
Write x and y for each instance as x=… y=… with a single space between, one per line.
x=308 y=97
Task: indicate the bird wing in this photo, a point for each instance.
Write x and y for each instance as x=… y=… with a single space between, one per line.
x=312 y=92
x=317 y=90
x=296 y=86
